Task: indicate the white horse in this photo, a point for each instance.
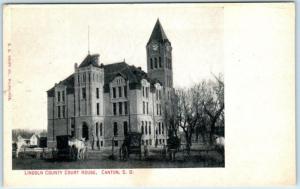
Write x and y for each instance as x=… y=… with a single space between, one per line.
x=20 y=144
x=219 y=142
x=79 y=146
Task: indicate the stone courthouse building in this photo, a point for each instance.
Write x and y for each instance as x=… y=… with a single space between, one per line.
x=103 y=102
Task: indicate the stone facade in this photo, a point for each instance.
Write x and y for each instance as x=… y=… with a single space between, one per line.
x=102 y=103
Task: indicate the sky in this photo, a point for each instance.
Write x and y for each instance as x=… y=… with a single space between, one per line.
x=48 y=40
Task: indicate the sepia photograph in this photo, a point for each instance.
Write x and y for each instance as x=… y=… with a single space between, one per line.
x=133 y=111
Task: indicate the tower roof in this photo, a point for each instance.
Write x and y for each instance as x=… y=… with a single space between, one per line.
x=158 y=34
x=90 y=60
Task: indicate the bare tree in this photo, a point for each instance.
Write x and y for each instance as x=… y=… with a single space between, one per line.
x=213 y=103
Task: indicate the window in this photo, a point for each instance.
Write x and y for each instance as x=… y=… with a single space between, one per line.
x=160 y=62
x=156 y=109
x=114 y=92
x=150 y=141
x=155 y=62
x=120 y=108
x=143 y=107
x=101 y=143
x=146 y=142
x=146 y=128
x=120 y=91
x=97 y=93
x=78 y=79
x=162 y=128
x=143 y=91
x=147 y=92
x=125 y=91
x=142 y=127
x=147 y=107
x=149 y=128
x=58 y=111
x=98 y=109
x=58 y=96
x=63 y=111
x=116 y=143
x=63 y=96
x=89 y=77
x=156 y=131
x=101 y=129
x=115 y=129
x=83 y=93
x=84 y=77
x=97 y=129
x=159 y=128
x=125 y=108
x=115 y=108
x=125 y=127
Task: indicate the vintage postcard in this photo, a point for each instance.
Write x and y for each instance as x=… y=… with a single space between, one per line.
x=145 y=94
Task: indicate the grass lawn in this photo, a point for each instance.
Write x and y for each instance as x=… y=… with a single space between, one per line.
x=99 y=160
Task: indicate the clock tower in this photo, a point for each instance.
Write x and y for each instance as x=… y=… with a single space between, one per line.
x=159 y=58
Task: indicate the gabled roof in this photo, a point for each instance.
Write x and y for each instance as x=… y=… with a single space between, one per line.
x=131 y=73
x=158 y=34
x=69 y=82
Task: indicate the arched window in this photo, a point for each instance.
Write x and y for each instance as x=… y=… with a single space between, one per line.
x=142 y=127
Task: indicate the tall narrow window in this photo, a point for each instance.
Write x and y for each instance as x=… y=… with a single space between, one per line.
x=58 y=111
x=63 y=111
x=97 y=129
x=58 y=96
x=147 y=107
x=114 y=92
x=155 y=62
x=98 y=109
x=146 y=128
x=149 y=128
x=97 y=93
x=125 y=91
x=83 y=93
x=115 y=129
x=101 y=129
x=125 y=108
x=63 y=96
x=162 y=128
x=142 y=127
x=120 y=91
x=156 y=109
x=143 y=91
x=143 y=107
x=115 y=108
x=159 y=128
x=159 y=60
x=120 y=108
x=147 y=92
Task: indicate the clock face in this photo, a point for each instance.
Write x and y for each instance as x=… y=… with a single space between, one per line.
x=155 y=47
